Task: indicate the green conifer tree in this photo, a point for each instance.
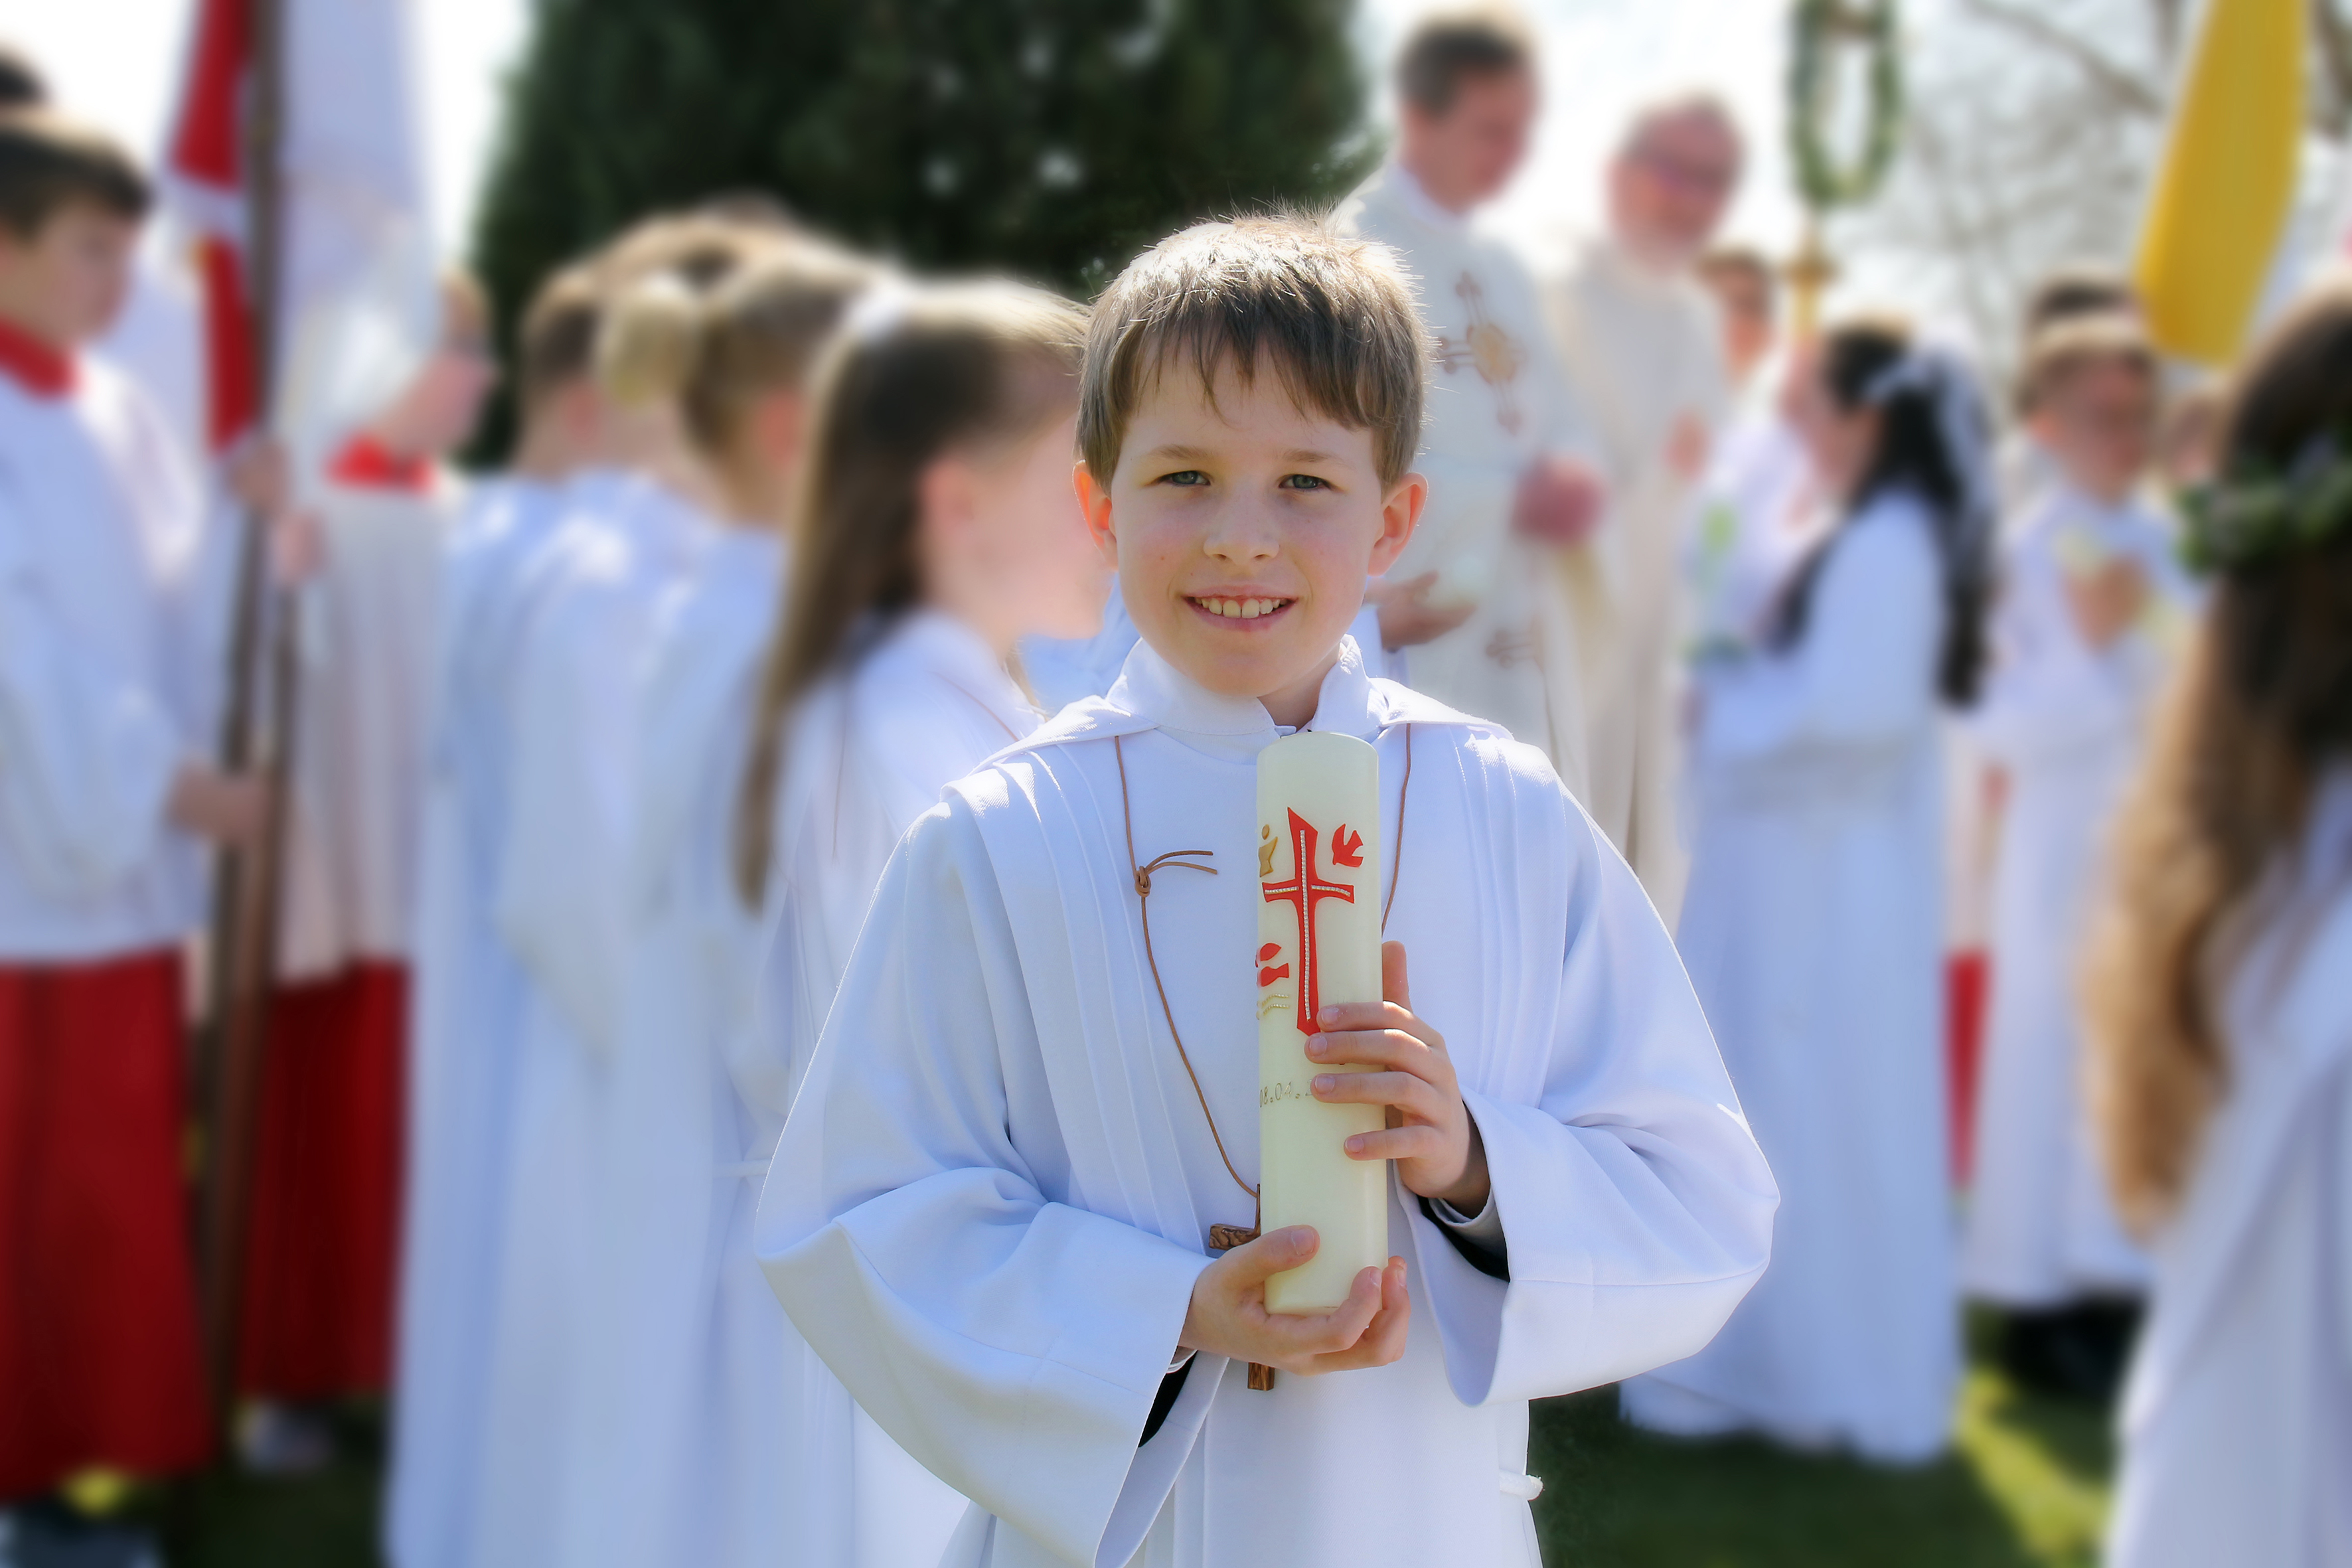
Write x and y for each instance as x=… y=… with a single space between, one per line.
x=1051 y=139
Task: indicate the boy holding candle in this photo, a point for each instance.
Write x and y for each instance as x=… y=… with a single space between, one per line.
x=990 y=1210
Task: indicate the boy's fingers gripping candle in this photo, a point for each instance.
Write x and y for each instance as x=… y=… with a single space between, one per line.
x=1318 y=860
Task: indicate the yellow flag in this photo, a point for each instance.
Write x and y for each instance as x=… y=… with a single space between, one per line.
x=2223 y=190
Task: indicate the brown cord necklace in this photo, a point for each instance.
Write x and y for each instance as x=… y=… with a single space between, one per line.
x=1224 y=1237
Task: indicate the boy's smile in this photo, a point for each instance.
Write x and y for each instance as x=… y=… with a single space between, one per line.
x=1243 y=528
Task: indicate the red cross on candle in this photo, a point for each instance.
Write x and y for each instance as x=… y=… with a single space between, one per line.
x=1303 y=889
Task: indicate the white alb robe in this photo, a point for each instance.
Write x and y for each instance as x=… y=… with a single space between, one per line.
x=2064 y=719
x=107 y=646
x=353 y=846
x=1643 y=354
x=2237 y=1420
x=681 y=1409
x=467 y=1010
x=992 y=1200
x=1752 y=522
x=1497 y=402
x=597 y=581
x=870 y=755
x=1814 y=932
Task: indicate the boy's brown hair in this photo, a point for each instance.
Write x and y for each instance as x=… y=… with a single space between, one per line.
x=1334 y=316
x=1450 y=47
x=2060 y=352
x=48 y=162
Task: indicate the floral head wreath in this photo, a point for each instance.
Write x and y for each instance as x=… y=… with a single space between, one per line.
x=2257 y=514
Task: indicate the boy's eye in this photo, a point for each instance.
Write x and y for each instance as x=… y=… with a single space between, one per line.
x=1184 y=477
x=1303 y=482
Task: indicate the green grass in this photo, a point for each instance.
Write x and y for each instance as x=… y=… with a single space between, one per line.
x=2024 y=1486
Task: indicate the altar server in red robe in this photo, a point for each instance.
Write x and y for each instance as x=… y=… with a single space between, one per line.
x=105 y=800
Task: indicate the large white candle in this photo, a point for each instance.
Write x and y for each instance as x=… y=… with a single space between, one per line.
x=1318 y=926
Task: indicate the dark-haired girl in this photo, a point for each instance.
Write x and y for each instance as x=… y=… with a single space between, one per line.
x=1813 y=926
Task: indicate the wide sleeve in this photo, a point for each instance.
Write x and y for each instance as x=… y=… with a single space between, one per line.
x=87 y=749
x=562 y=877
x=1013 y=1345
x=1636 y=1208
x=1862 y=676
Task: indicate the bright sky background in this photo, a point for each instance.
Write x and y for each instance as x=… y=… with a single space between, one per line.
x=116 y=61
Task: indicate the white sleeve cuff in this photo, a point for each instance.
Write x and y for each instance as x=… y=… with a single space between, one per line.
x=1483 y=1230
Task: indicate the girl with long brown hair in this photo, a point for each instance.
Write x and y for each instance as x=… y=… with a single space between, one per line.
x=937 y=524
x=1813 y=926
x=2220 y=1009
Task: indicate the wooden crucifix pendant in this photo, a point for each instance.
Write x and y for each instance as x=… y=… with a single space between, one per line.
x=1224 y=1238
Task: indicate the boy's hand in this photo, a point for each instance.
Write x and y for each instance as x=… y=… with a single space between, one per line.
x=1407 y=617
x=1431 y=1137
x=229 y=809
x=1228 y=1315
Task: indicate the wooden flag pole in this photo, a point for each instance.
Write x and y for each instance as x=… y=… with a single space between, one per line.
x=257 y=740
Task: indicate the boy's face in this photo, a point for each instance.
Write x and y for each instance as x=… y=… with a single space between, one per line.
x=2099 y=423
x=64 y=283
x=1243 y=531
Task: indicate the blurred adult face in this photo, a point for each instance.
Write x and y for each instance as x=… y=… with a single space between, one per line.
x=65 y=284
x=1468 y=153
x=1669 y=189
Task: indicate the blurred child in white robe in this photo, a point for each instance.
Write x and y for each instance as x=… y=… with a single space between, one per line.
x=1813 y=928
x=939 y=528
x=2221 y=1021
x=2092 y=607
x=634 y=530
x=688 y=1423
x=468 y=990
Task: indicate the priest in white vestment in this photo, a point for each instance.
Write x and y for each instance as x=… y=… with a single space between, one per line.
x=1639 y=341
x=1504 y=450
